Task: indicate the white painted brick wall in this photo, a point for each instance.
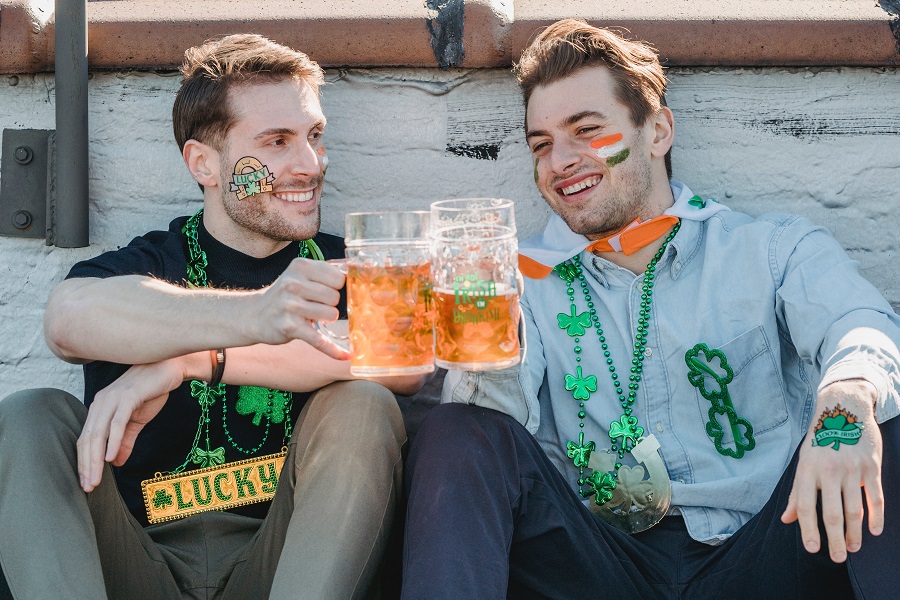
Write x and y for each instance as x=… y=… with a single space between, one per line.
x=822 y=143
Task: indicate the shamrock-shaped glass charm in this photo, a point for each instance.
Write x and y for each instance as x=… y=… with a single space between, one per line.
x=627 y=428
x=602 y=484
x=580 y=453
x=580 y=386
x=575 y=325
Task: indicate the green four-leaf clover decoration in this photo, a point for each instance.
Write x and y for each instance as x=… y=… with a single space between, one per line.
x=627 y=429
x=710 y=373
x=580 y=453
x=262 y=402
x=602 y=484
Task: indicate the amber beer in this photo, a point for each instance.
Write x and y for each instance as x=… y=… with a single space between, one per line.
x=391 y=319
x=477 y=329
x=474 y=270
x=389 y=305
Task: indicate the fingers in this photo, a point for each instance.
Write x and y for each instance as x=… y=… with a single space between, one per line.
x=833 y=519
x=802 y=507
x=875 y=502
x=853 y=514
x=326 y=346
x=91 y=445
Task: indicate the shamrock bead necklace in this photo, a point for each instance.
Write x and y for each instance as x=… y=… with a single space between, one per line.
x=601 y=484
x=207 y=395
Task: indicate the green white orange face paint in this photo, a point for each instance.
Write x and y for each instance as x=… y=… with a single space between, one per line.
x=536 y=161
x=250 y=178
x=611 y=148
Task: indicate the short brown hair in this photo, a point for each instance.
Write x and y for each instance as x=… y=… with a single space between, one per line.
x=571 y=44
x=202 y=110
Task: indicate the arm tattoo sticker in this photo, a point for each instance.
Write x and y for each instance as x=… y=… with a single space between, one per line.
x=836 y=427
x=250 y=178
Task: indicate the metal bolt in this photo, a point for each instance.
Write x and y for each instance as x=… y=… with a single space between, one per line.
x=23 y=155
x=21 y=219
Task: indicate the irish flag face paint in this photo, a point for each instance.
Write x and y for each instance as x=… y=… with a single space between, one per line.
x=611 y=148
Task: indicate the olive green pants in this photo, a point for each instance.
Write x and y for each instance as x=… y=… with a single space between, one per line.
x=324 y=535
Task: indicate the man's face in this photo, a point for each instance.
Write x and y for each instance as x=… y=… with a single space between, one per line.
x=280 y=125
x=591 y=163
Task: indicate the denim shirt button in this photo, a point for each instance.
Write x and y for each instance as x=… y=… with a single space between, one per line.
x=648 y=352
x=659 y=426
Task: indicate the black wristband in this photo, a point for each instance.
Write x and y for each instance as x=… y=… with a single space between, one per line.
x=217 y=358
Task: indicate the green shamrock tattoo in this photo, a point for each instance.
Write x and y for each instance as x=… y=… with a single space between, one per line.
x=710 y=373
x=580 y=453
x=836 y=427
x=263 y=402
x=602 y=485
x=581 y=387
x=162 y=499
x=574 y=325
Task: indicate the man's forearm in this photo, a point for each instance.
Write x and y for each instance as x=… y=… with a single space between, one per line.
x=135 y=320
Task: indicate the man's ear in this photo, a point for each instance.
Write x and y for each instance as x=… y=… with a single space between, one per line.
x=203 y=163
x=663 y=132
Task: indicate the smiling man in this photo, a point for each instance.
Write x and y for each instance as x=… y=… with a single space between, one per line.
x=704 y=396
x=245 y=461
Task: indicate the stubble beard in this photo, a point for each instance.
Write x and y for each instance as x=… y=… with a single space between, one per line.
x=255 y=213
x=606 y=216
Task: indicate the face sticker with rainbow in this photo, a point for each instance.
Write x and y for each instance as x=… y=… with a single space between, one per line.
x=321 y=152
x=611 y=148
x=250 y=177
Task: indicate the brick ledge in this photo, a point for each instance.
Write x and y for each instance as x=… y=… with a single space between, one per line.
x=152 y=34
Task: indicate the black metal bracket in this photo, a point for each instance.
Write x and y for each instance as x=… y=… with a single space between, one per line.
x=26 y=183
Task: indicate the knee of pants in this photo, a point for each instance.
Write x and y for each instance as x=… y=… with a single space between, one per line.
x=363 y=411
x=40 y=414
x=461 y=434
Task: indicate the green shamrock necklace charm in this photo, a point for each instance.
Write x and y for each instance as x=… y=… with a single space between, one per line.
x=710 y=373
x=626 y=436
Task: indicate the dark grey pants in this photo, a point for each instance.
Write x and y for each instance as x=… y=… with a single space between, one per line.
x=324 y=535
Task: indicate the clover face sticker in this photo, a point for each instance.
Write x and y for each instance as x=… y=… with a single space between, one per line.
x=836 y=427
x=574 y=325
x=250 y=178
x=710 y=373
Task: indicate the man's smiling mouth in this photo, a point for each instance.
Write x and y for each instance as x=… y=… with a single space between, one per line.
x=295 y=196
x=581 y=185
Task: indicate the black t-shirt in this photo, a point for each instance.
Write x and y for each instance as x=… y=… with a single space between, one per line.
x=165 y=442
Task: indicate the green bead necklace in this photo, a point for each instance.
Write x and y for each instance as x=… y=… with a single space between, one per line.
x=275 y=405
x=601 y=484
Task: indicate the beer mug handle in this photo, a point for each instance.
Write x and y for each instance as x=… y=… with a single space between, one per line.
x=341 y=341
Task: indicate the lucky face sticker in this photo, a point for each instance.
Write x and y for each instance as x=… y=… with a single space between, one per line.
x=612 y=148
x=251 y=177
x=836 y=427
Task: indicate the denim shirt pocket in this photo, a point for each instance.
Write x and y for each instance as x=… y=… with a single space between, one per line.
x=756 y=389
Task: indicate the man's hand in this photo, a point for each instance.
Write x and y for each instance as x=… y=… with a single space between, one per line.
x=306 y=292
x=840 y=455
x=119 y=412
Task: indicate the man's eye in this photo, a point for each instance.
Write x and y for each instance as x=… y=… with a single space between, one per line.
x=539 y=146
x=279 y=142
x=315 y=135
x=587 y=129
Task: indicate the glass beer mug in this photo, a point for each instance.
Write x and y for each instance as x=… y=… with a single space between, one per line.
x=474 y=259
x=389 y=305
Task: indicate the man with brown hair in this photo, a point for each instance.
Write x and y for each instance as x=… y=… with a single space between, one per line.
x=695 y=380
x=204 y=375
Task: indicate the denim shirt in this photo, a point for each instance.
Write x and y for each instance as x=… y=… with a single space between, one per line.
x=776 y=294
